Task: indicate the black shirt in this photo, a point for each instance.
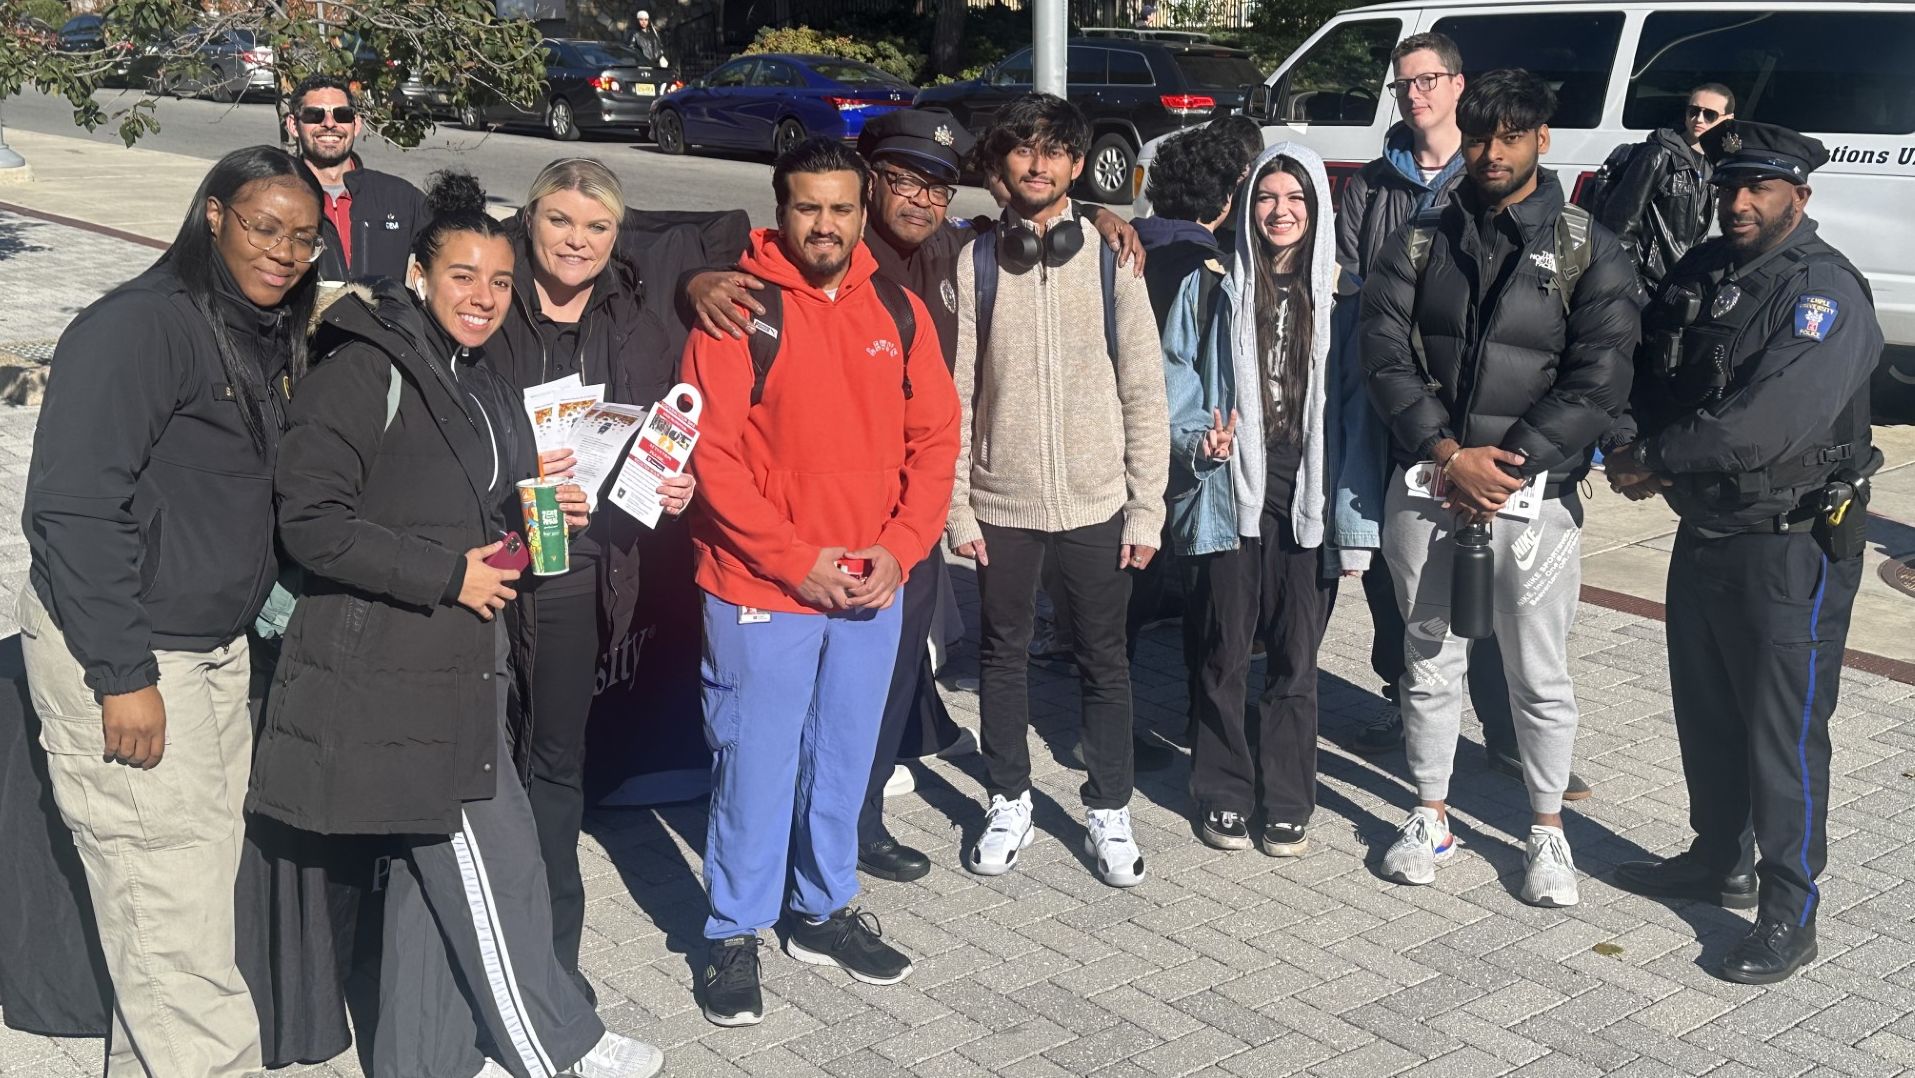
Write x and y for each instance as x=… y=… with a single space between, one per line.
x=567 y=357
x=930 y=270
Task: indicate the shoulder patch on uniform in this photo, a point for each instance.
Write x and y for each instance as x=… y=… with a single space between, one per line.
x=1815 y=317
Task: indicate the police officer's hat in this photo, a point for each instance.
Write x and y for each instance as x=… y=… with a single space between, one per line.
x=929 y=140
x=1747 y=153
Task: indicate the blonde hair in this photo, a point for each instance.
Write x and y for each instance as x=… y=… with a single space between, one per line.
x=586 y=175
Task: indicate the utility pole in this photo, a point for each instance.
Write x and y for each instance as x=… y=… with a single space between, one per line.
x=13 y=167
x=1049 y=28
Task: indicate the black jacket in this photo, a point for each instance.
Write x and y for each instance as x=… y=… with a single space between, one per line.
x=1661 y=205
x=1378 y=201
x=149 y=514
x=387 y=212
x=383 y=712
x=1511 y=369
x=647 y=44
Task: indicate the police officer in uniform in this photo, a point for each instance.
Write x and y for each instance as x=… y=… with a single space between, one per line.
x=1751 y=415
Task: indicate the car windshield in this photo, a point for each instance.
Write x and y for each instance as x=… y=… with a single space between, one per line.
x=1219 y=71
x=852 y=73
x=241 y=38
x=600 y=54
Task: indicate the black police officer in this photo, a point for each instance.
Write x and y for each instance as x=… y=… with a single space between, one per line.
x=1751 y=416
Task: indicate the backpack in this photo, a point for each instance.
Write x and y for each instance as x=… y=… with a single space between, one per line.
x=767 y=330
x=1595 y=191
x=1572 y=258
x=278 y=611
x=984 y=262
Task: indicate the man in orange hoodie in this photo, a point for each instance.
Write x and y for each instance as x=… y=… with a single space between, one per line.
x=823 y=477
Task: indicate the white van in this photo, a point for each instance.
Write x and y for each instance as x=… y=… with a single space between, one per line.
x=1843 y=72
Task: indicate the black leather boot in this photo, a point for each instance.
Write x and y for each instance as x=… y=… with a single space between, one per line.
x=1682 y=876
x=887 y=860
x=1770 y=952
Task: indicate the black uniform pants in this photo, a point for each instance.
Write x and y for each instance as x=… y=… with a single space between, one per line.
x=1274 y=589
x=1488 y=688
x=564 y=671
x=913 y=699
x=1098 y=591
x=1757 y=624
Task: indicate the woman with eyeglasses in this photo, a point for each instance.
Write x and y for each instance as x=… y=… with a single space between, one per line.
x=1660 y=202
x=575 y=311
x=149 y=518
x=388 y=710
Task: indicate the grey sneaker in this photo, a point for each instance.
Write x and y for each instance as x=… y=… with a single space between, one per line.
x=615 y=1056
x=1423 y=841
x=1549 y=873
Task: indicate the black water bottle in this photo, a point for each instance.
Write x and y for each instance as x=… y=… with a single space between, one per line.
x=1473 y=572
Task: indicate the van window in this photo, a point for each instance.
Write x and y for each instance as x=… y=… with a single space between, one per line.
x=1573 y=51
x=1836 y=71
x=1339 y=82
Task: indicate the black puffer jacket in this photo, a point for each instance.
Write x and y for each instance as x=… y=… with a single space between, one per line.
x=387 y=212
x=383 y=713
x=1525 y=376
x=1661 y=205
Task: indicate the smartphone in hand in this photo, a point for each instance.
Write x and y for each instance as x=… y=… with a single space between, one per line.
x=513 y=555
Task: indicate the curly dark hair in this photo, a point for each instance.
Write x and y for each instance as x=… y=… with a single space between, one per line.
x=454 y=203
x=1194 y=173
x=318 y=82
x=1039 y=120
x=1505 y=98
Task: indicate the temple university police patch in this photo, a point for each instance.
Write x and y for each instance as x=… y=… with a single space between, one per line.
x=1814 y=317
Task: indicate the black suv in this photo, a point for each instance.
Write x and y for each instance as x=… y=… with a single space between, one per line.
x=1132 y=91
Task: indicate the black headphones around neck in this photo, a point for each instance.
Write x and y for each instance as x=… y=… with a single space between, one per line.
x=1020 y=248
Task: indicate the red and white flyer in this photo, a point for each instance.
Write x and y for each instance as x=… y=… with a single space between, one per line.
x=661 y=450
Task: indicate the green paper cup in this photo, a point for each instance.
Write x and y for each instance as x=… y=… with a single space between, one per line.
x=545 y=531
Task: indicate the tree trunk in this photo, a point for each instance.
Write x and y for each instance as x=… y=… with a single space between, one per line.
x=947 y=38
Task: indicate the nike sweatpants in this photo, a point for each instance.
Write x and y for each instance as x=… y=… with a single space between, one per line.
x=1538 y=578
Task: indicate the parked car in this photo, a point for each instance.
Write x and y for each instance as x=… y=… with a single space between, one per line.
x=229 y=65
x=773 y=101
x=1834 y=69
x=90 y=33
x=589 y=85
x=1132 y=91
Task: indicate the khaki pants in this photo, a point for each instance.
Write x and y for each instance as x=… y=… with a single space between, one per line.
x=161 y=851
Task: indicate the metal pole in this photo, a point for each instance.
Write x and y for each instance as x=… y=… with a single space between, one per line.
x=1049 y=28
x=8 y=158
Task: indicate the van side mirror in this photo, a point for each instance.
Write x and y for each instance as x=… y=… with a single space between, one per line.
x=1256 y=102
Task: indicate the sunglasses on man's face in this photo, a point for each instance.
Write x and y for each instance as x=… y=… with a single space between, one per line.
x=1708 y=116
x=341 y=114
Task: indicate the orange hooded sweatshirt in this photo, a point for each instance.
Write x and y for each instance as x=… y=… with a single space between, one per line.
x=833 y=454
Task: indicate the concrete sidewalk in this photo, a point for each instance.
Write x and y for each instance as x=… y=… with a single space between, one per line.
x=1625 y=546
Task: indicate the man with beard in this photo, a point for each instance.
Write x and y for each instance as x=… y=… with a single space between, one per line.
x=1066 y=452
x=825 y=475
x=1497 y=336
x=370 y=217
x=1751 y=415
x=916 y=157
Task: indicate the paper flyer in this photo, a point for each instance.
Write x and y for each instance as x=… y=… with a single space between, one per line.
x=556 y=405
x=599 y=438
x=661 y=450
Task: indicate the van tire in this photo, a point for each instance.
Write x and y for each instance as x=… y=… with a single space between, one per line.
x=1107 y=169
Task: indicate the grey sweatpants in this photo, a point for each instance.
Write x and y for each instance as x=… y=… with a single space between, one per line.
x=468 y=947
x=1538 y=578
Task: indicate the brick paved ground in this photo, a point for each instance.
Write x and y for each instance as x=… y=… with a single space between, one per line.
x=1240 y=965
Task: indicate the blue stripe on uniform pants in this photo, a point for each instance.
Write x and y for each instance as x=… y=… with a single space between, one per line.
x=1802 y=745
x=792 y=707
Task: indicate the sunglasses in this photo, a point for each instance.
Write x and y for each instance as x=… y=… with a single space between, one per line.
x=341 y=114
x=1708 y=116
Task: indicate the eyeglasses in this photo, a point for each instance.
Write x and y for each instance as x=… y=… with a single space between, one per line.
x=1708 y=116
x=904 y=185
x=1424 y=83
x=341 y=114
x=306 y=247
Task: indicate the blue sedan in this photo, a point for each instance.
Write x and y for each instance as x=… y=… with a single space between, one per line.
x=773 y=101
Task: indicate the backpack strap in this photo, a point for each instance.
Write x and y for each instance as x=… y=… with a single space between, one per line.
x=1573 y=250
x=984 y=262
x=896 y=301
x=1422 y=236
x=1107 y=266
x=766 y=333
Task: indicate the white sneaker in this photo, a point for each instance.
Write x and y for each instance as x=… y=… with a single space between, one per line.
x=1423 y=841
x=1119 y=862
x=900 y=783
x=492 y=1070
x=1549 y=872
x=1007 y=829
x=615 y=1056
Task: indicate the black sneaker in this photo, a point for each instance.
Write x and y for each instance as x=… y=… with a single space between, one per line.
x=1283 y=840
x=849 y=939
x=1224 y=830
x=1385 y=734
x=732 y=997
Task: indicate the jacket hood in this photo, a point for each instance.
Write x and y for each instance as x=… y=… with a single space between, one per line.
x=1323 y=264
x=1399 y=149
x=1675 y=141
x=375 y=311
x=767 y=260
x=1155 y=232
